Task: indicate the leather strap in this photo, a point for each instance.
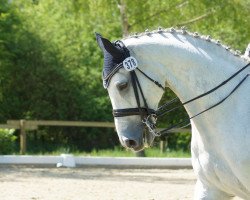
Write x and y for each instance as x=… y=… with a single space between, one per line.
x=131 y=111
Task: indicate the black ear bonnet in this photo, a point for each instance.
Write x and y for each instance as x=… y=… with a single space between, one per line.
x=114 y=54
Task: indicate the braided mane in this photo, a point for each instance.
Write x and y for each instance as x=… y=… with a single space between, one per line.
x=195 y=35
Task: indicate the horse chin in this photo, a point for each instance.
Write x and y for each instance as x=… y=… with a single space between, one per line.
x=148 y=140
x=138 y=149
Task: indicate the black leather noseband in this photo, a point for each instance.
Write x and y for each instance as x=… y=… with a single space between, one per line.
x=132 y=111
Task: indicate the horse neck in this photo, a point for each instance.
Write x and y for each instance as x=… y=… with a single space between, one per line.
x=188 y=65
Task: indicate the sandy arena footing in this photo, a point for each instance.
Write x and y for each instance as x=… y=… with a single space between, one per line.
x=92 y=183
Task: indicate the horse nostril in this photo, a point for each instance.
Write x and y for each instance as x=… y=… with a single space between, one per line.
x=130 y=143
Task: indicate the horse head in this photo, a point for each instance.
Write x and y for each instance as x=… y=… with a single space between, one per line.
x=128 y=98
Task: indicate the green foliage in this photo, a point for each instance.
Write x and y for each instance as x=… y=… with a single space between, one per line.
x=179 y=153
x=50 y=64
x=70 y=139
x=179 y=141
x=7 y=141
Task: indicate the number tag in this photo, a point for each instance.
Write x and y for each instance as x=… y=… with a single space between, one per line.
x=130 y=63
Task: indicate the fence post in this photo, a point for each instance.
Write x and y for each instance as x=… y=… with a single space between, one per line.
x=22 y=137
x=163 y=144
x=140 y=153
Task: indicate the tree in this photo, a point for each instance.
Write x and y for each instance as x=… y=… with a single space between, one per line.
x=50 y=64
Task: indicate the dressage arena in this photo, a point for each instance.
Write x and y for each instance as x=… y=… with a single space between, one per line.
x=95 y=183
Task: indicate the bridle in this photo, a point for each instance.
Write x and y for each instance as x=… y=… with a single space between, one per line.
x=150 y=116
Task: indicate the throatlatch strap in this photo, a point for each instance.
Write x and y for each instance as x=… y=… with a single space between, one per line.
x=154 y=81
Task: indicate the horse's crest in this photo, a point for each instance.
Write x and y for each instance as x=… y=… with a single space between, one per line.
x=184 y=31
x=247 y=52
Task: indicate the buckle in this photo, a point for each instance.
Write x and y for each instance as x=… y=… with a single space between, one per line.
x=150 y=122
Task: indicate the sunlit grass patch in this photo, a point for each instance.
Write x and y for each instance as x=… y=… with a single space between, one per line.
x=121 y=152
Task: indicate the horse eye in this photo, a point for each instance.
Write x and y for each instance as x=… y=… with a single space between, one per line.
x=122 y=86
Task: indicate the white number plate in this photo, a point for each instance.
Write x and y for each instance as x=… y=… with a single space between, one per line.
x=130 y=63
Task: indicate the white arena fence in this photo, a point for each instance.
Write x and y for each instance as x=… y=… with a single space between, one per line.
x=68 y=160
x=26 y=125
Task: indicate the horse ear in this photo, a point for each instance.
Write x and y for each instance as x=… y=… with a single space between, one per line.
x=99 y=40
x=106 y=45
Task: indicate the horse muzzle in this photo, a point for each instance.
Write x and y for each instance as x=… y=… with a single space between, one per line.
x=130 y=130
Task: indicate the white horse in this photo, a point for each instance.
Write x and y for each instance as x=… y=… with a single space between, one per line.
x=190 y=65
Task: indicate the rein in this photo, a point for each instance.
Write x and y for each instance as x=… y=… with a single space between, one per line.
x=149 y=116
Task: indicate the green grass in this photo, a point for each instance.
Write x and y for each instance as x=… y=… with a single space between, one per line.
x=120 y=152
x=155 y=152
